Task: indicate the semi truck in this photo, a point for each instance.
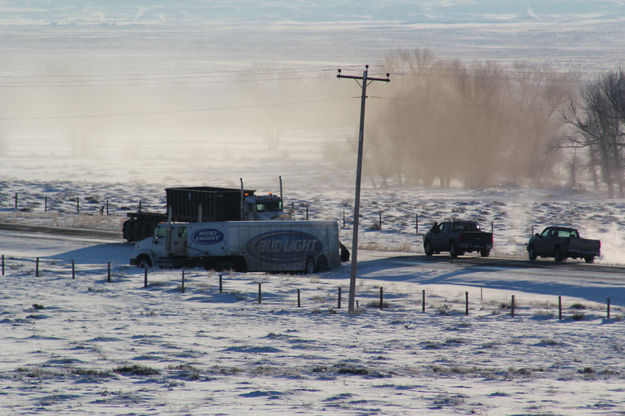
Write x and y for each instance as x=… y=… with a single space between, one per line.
x=255 y=245
x=205 y=203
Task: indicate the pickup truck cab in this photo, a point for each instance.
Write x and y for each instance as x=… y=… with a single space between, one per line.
x=562 y=243
x=457 y=237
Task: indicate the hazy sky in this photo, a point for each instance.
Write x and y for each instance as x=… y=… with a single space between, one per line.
x=206 y=11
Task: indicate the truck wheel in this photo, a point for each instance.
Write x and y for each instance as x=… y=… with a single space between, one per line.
x=589 y=259
x=485 y=252
x=309 y=267
x=453 y=253
x=557 y=255
x=427 y=247
x=144 y=262
x=344 y=252
x=322 y=264
x=531 y=252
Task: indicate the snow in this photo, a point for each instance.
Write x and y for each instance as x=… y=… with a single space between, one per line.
x=87 y=346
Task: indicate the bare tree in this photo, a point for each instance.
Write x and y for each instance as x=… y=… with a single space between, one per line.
x=596 y=128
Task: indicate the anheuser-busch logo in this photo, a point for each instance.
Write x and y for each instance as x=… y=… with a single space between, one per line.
x=284 y=246
x=208 y=236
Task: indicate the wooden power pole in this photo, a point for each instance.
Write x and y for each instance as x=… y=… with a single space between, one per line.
x=354 y=267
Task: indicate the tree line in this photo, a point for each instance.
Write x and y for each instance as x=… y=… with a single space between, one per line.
x=484 y=124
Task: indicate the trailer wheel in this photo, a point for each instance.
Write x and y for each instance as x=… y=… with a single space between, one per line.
x=309 y=267
x=531 y=252
x=485 y=252
x=322 y=264
x=589 y=259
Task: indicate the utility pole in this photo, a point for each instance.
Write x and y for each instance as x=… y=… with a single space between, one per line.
x=354 y=267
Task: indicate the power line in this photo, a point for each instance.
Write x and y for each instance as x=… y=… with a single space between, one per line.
x=164 y=112
x=130 y=79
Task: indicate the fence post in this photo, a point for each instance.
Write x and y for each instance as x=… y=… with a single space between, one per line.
x=45 y=204
x=77 y=205
x=560 y=307
x=220 y=284
x=73 y=269
x=260 y=293
x=381 y=298
x=423 y=300
x=16 y=201
x=466 y=301
x=306 y=212
x=380 y=218
x=145 y=276
x=108 y=272
x=417 y=223
x=343 y=217
x=107 y=207
x=492 y=227
x=182 y=287
x=299 y=304
x=608 y=308
x=3 y=265
x=512 y=307
x=339 y=306
x=37 y=267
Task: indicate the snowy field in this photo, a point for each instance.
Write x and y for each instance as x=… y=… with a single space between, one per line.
x=87 y=346
x=105 y=104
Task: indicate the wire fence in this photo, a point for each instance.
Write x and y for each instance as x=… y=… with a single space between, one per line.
x=289 y=292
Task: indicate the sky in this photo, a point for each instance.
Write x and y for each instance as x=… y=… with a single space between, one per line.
x=207 y=12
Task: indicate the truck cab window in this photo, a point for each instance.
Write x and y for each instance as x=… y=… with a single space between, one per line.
x=260 y=207
x=160 y=232
x=182 y=232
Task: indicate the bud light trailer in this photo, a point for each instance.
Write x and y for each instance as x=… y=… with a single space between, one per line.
x=265 y=246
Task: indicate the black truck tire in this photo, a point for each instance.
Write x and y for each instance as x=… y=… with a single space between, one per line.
x=427 y=248
x=453 y=252
x=309 y=266
x=557 y=254
x=531 y=253
x=322 y=264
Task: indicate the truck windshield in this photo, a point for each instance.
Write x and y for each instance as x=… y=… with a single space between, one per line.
x=269 y=206
x=160 y=232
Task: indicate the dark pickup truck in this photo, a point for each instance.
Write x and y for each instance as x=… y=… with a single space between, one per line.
x=561 y=243
x=457 y=237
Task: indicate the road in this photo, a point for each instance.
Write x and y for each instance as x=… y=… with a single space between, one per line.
x=595 y=282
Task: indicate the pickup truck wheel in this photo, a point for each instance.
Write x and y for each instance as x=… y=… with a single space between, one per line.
x=557 y=255
x=427 y=247
x=589 y=259
x=531 y=252
x=453 y=252
x=322 y=264
x=485 y=252
x=309 y=266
